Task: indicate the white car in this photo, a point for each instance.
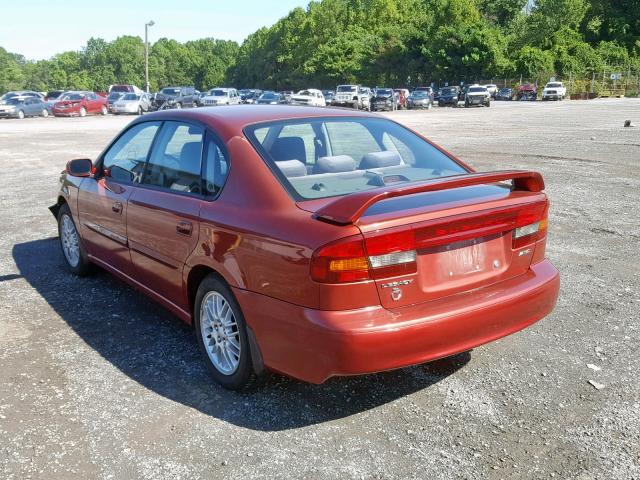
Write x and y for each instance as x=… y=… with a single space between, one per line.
x=492 y=89
x=220 y=96
x=554 y=91
x=477 y=95
x=310 y=97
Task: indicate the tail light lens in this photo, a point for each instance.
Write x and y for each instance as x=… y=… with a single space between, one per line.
x=531 y=226
x=355 y=259
x=343 y=261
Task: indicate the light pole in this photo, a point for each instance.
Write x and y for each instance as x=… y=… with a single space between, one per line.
x=146 y=51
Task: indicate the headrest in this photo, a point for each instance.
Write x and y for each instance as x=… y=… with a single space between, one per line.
x=292 y=168
x=335 y=164
x=380 y=159
x=190 y=157
x=288 y=148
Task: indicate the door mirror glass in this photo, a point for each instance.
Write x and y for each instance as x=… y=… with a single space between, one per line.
x=80 y=167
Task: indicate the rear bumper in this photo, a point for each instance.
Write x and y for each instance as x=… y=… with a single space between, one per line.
x=313 y=345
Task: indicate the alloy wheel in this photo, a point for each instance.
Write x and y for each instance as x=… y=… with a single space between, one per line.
x=69 y=240
x=220 y=334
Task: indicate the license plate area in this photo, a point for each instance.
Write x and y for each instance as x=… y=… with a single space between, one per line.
x=464 y=265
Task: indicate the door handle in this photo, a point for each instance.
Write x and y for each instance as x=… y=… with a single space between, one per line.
x=117 y=207
x=184 y=228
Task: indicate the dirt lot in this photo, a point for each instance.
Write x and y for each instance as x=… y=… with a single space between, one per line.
x=97 y=382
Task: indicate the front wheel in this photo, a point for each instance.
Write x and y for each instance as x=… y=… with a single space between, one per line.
x=222 y=335
x=20 y=114
x=178 y=106
x=45 y=112
x=139 y=110
x=104 y=110
x=72 y=249
x=488 y=104
x=83 y=112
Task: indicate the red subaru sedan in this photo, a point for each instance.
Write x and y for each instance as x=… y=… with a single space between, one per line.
x=80 y=104
x=311 y=242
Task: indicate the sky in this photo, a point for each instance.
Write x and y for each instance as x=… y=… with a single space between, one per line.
x=39 y=29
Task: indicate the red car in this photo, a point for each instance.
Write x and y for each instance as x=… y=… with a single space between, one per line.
x=80 y=104
x=310 y=241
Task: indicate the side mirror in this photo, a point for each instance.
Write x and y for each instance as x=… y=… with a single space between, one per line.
x=80 y=167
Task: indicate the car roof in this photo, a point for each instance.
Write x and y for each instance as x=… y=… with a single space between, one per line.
x=228 y=121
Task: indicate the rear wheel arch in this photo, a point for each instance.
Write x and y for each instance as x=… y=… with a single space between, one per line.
x=204 y=273
x=196 y=275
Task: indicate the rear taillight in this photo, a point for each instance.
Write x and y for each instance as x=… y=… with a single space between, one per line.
x=343 y=261
x=392 y=253
x=531 y=226
x=355 y=259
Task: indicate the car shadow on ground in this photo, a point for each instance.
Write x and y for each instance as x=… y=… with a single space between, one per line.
x=158 y=351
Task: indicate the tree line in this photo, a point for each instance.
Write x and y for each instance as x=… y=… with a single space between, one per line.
x=374 y=42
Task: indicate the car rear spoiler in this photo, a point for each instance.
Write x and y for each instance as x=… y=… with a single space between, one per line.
x=348 y=209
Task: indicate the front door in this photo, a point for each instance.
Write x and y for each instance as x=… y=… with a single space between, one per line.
x=162 y=216
x=102 y=202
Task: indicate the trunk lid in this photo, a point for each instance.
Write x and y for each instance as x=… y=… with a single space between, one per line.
x=444 y=237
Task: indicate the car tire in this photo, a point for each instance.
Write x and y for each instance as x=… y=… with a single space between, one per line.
x=73 y=252
x=488 y=104
x=83 y=112
x=466 y=104
x=221 y=332
x=429 y=106
x=104 y=110
x=139 y=111
x=178 y=105
x=20 y=114
x=45 y=113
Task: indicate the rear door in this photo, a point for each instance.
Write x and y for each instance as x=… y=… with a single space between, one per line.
x=162 y=216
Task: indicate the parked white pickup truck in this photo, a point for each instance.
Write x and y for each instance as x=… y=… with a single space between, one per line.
x=554 y=91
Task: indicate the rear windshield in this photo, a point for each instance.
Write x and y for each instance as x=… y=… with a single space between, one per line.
x=477 y=89
x=346 y=88
x=327 y=157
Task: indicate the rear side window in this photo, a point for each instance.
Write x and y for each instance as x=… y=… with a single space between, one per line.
x=175 y=163
x=125 y=159
x=327 y=157
x=216 y=168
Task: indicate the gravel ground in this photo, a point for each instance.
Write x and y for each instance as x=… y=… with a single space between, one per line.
x=98 y=382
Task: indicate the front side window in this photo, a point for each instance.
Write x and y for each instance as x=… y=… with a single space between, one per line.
x=175 y=162
x=326 y=157
x=125 y=159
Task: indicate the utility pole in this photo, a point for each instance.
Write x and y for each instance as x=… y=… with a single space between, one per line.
x=151 y=23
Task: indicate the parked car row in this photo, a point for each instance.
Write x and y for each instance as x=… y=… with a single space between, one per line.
x=129 y=99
